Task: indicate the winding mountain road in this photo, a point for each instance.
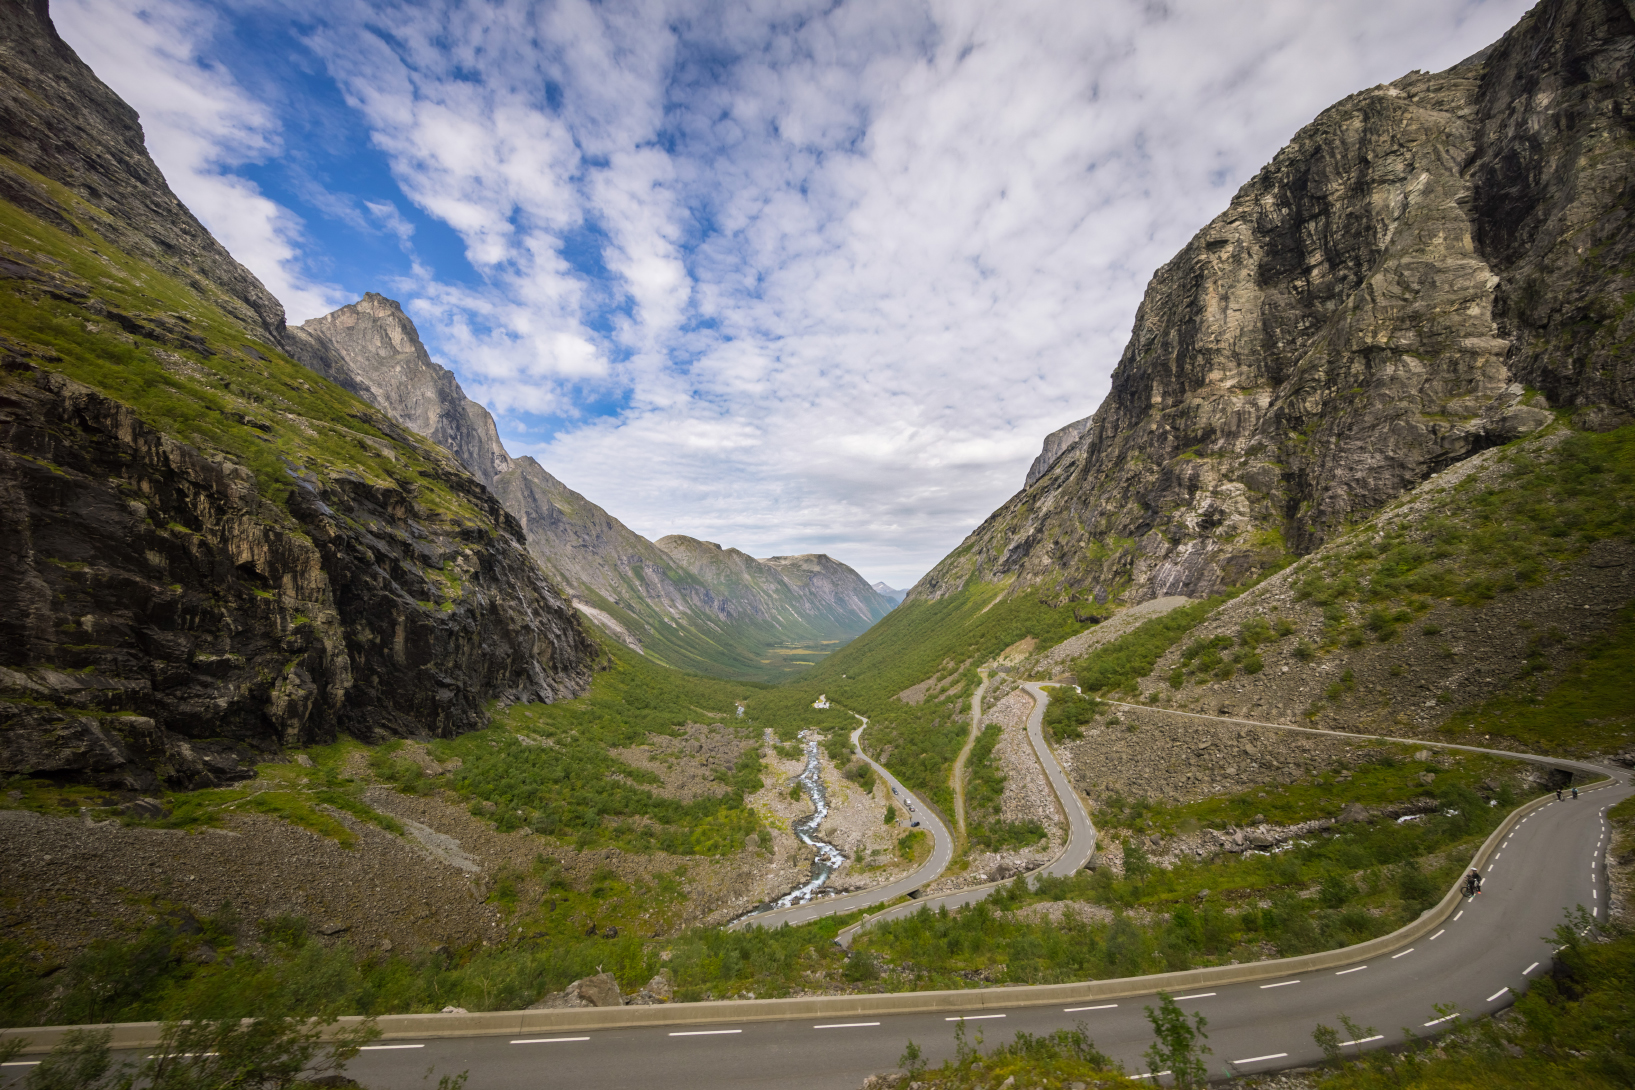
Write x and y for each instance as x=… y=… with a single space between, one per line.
x=942 y=850
x=1476 y=960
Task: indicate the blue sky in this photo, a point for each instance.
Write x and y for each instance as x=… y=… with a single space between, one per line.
x=790 y=276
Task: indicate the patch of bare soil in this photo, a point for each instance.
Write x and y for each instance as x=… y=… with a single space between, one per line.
x=688 y=763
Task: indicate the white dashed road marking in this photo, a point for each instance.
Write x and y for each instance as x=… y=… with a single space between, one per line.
x=1444 y=1018
x=1199 y=995
x=547 y=1040
x=846 y=1025
x=1404 y=954
x=1102 y=1007
x=1362 y=1040
x=1438 y=935
x=971 y=1017
x=1496 y=994
x=703 y=1032
x=384 y=1048
x=1257 y=1059
x=1529 y=969
x=1279 y=984
x=1358 y=969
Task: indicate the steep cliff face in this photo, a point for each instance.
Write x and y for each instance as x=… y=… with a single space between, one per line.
x=1422 y=273
x=211 y=552
x=641 y=594
x=401 y=379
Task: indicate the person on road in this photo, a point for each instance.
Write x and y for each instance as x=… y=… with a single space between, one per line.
x=1575 y=792
x=1473 y=883
x=1558 y=794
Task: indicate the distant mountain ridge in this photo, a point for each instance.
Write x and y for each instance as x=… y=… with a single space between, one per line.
x=890 y=593
x=687 y=603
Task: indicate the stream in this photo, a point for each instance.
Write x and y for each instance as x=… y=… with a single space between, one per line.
x=829 y=858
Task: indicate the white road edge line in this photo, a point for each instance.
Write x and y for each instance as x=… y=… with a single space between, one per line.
x=971 y=1017
x=703 y=1032
x=21 y=1063
x=1257 y=1059
x=1151 y=1075
x=1199 y=995
x=383 y=1048
x=1529 y=969
x=1404 y=954
x=1358 y=969
x=1279 y=984
x=547 y=1040
x=846 y=1025
x=1496 y=994
x=1362 y=1040
x=1104 y=1006
x=1444 y=1018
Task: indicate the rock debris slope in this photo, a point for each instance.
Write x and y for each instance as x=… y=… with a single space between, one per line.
x=683 y=602
x=211 y=552
x=1425 y=271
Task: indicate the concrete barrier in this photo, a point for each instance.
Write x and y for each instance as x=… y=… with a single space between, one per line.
x=397 y=1027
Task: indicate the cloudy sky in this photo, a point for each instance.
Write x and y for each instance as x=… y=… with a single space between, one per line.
x=790 y=276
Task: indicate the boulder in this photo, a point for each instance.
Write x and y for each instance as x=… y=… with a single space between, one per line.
x=601 y=990
x=1353 y=813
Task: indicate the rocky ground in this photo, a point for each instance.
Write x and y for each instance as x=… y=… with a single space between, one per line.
x=856 y=825
x=687 y=763
x=65 y=882
x=1451 y=657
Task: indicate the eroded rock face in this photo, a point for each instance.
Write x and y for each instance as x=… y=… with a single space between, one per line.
x=164 y=622
x=201 y=569
x=1372 y=307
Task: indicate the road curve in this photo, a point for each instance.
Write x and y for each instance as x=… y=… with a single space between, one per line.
x=1478 y=959
x=942 y=850
x=1081 y=839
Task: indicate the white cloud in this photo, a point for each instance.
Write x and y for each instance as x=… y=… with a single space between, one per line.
x=199 y=125
x=860 y=256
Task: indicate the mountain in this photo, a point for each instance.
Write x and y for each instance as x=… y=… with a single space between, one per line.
x=212 y=552
x=683 y=606
x=1431 y=268
x=894 y=596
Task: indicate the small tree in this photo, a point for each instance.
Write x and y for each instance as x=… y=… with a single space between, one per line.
x=912 y=1061
x=263 y=1054
x=1176 y=1046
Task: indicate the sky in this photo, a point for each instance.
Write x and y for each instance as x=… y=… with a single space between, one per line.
x=788 y=275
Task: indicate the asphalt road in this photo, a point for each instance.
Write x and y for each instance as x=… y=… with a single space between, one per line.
x=942 y=850
x=1553 y=860
x=1081 y=839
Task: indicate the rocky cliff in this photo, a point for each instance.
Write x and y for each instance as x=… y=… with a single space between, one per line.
x=1430 y=268
x=212 y=553
x=706 y=618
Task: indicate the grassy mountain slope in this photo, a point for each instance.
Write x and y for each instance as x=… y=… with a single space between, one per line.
x=214 y=553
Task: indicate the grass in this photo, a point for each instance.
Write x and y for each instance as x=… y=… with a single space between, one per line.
x=1547 y=506
x=984 y=825
x=216 y=394
x=1122 y=663
x=1588 y=708
x=549 y=766
x=1332 y=888
x=311 y=798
